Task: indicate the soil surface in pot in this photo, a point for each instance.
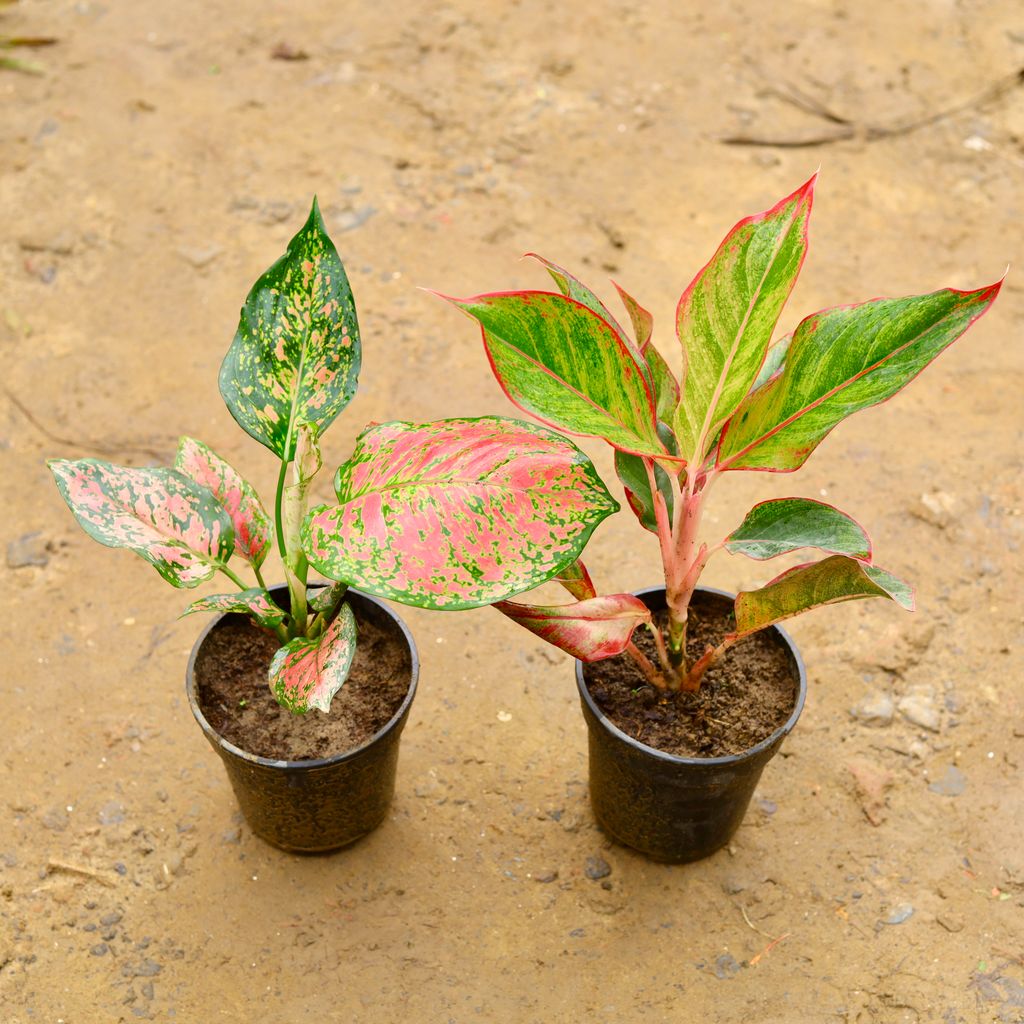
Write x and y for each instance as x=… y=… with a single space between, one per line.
x=742 y=700
x=231 y=679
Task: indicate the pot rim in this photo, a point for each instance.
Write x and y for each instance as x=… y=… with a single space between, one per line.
x=323 y=762
x=726 y=759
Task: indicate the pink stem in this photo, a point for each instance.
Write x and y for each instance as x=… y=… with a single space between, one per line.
x=646 y=666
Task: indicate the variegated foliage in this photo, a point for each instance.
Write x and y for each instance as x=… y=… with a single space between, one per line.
x=172 y=522
x=308 y=673
x=590 y=630
x=458 y=513
x=739 y=402
x=296 y=355
x=253 y=532
x=254 y=602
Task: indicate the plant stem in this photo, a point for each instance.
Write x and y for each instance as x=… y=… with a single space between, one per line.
x=707 y=660
x=231 y=576
x=646 y=666
x=278 y=518
x=259 y=578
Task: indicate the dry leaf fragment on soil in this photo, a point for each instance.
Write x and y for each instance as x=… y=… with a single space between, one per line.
x=870 y=783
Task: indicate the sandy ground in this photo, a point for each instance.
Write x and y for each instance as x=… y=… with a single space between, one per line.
x=162 y=162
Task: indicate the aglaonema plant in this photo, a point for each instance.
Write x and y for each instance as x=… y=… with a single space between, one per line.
x=450 y=514
x=740 y=402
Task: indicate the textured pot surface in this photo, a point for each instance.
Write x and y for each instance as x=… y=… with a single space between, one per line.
x=321 y=805
x=673 y=808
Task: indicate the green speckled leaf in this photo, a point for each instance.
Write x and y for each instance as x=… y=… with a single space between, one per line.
x=308 y=673
x=787 y=524
x=251 y=523
x=458 y=513
x=323 y=599
x=829 y=581
x=296 y=355
x=254 y=602
x=726 y=316
x=172 y=522
x=840 y=361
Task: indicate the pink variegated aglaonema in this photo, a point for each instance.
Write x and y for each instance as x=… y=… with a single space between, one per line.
x=451 y=514
x=739 y=402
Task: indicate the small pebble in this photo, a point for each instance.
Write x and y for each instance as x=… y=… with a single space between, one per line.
x=199 y=256
x=111 y=813
x=112 y=918
x=876 y=710
x=921 y=711
x=597 y=868
x=545 y=876
x=952 y=783
x=100 y=949
x=900 y=913
x=29 y=549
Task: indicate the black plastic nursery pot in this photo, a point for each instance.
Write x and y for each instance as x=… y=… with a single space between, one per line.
x=671 y=808
x=319 y=805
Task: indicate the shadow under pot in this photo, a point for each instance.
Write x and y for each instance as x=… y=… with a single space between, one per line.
x=681 y=808
x=306 y=783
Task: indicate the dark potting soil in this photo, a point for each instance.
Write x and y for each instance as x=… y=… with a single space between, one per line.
x=231 y=680
x=742 y=700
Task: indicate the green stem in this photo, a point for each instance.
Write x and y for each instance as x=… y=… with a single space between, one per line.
x=259 y=578
x=278 y=518
x=241 y=584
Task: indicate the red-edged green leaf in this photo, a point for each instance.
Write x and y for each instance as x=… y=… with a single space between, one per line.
x=573 y=288
x=726 y=316
x=788 y=524
x=631 y=472
x=588 y=630
x=575 y=578
x=296 y=355
x=253 y=602
x=308 y=673
x=251 y=523
x=829 y=581
x=840 y=361
x=772 y=361
x=561 y=362
x=324 y=599
x=458 y=513
x=172 y=522
x=643 y=322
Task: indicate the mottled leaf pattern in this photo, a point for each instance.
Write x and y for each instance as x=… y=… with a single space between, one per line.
x=251 y=523
x=172 y=522
x=788 y=524
x=631 y=472
x=307 y=673
x=588 y=630
x=726 y=316
x=840 y=361
x=296 y=355
x=834 y=579
x=458 y=513
x=323 y=599
x=573 y=288
x=560 y=362
x=253 y=602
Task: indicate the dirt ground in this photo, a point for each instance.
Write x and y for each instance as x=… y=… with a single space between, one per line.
x=162 y=161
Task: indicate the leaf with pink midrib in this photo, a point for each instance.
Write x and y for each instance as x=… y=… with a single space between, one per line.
x=589 y=630
x=307 y=673
x=251 y=523
x=169 y=520
x=458 y=513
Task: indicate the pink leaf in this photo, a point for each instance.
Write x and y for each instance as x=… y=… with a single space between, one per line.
x=589 y=630
x=308 y=673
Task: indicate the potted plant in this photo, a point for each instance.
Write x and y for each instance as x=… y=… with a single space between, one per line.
x=683 y=718
x=450 y=514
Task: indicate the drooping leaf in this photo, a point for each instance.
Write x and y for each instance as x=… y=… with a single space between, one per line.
x=561 y=362
x=834 y=579
x=457 y=513
x=324 y=599
x=840 y=361
x=296 y=355
x=254 y=602
x=575 y=578
x=588 y=630
x=172 y=522
x=308 y=673
x=788 y=524
x=631 y=472
x=772 y=361
x=726 y=316
x=251 y=523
